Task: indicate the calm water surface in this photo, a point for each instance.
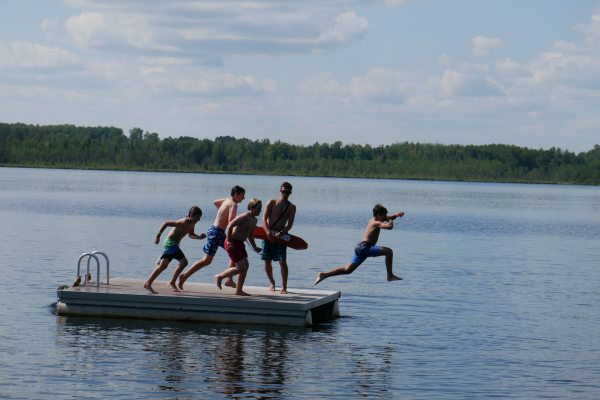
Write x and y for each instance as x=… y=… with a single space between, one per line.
x=500 y=296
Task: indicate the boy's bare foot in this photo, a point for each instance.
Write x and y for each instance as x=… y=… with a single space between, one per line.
x=218 y=280
x=182 y=280
x=173 y=288
x=272 y=287
x=320 y=278
x=242 y=293
x=229 y=282
x=394 y=278
x=283 y=291
x=149 y=287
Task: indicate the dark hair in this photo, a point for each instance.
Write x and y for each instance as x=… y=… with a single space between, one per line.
x=379 y=209
x=287 y=186
x=237 y=190
x=195 y=211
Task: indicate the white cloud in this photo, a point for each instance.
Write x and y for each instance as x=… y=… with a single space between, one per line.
x=484 y=46
x=322 y=84
x=591 y=30
x=381 y=85
x=348 y=27
x=454 y=83
x=33 y=55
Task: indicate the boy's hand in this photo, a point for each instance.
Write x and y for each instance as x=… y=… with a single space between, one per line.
x=229 y=244
x=202 y=236
x=400 y=214
x=272 y=238
x=157 y=238
x=257 y=249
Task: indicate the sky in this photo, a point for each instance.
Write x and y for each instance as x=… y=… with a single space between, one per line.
x=523 y=72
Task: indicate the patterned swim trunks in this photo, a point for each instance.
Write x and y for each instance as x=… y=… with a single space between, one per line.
x=215 y=237
x=364 y=250
x=273 y=251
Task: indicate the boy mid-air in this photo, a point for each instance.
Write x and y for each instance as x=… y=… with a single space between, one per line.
x=184 y=226
x=368 y=248
x=238 y=231
x=216 y=233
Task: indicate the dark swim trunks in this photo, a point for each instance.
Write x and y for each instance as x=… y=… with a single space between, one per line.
x=172 y=250
x=273 y=251
x=215 y=237
x=362 y=251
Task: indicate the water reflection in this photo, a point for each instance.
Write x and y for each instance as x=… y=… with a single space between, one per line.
x=183 y=357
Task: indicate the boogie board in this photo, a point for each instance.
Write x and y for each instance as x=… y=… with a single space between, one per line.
x=291 y=241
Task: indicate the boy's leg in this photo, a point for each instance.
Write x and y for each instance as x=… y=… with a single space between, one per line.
x=348 y=269
x=269 y=271
x=164 y=263
x=206 y=260
x=228 y=273
x=229 y=281
x=243 y=265
x=389 y=260
x=284 y=276
x=182 y=264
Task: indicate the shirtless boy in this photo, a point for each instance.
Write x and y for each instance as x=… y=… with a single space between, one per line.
x=216 y=233
x=277 y=220
x=184 y=226
x=367 y=247
x=238 y=231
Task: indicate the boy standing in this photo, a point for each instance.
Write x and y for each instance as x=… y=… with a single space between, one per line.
x=367 y=247
x=238 y=231
x=184 y=226
x=216 y=233
x=277 y=220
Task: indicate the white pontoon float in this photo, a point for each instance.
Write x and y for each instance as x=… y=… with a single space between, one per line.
x=203 y=302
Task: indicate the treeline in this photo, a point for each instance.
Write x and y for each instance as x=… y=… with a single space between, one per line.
x=68 y=146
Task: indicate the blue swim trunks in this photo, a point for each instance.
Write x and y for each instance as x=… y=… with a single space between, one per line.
x=215 y=237
x=172 y=250
x=364 y=250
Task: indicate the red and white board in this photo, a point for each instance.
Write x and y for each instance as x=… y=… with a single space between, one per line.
x=291 y=241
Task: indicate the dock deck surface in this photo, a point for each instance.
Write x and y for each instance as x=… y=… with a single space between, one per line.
x=126 y=298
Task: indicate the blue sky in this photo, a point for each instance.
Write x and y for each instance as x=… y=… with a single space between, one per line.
x=521 y=72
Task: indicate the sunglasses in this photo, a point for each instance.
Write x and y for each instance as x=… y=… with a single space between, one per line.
x=285 y=192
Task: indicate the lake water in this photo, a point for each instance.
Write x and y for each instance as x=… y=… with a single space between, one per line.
x=500 y=297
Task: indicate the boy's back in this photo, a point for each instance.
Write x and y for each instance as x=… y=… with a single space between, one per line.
x=247 y=224
x=227 y=209
x=179 y=232
x=372 y=232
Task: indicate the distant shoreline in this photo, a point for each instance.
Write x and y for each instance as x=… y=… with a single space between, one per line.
x=109 y=149
x=273 y=174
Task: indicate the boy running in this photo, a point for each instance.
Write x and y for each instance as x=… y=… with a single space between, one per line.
x=216 y=233
x=238 y=231
x=367 y=247
x=277 y=220
x=184 y=226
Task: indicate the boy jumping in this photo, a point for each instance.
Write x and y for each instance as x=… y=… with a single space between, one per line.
x=238 y=231
x=216 y=233
x=184 y=226
x=367 y=247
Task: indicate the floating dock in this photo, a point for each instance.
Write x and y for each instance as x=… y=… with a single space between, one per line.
x=202 y=302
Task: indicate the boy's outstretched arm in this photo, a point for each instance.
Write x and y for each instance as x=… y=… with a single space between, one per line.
x=193 y=235
x=164 y=226
x=385 y=225
x=394 y=216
